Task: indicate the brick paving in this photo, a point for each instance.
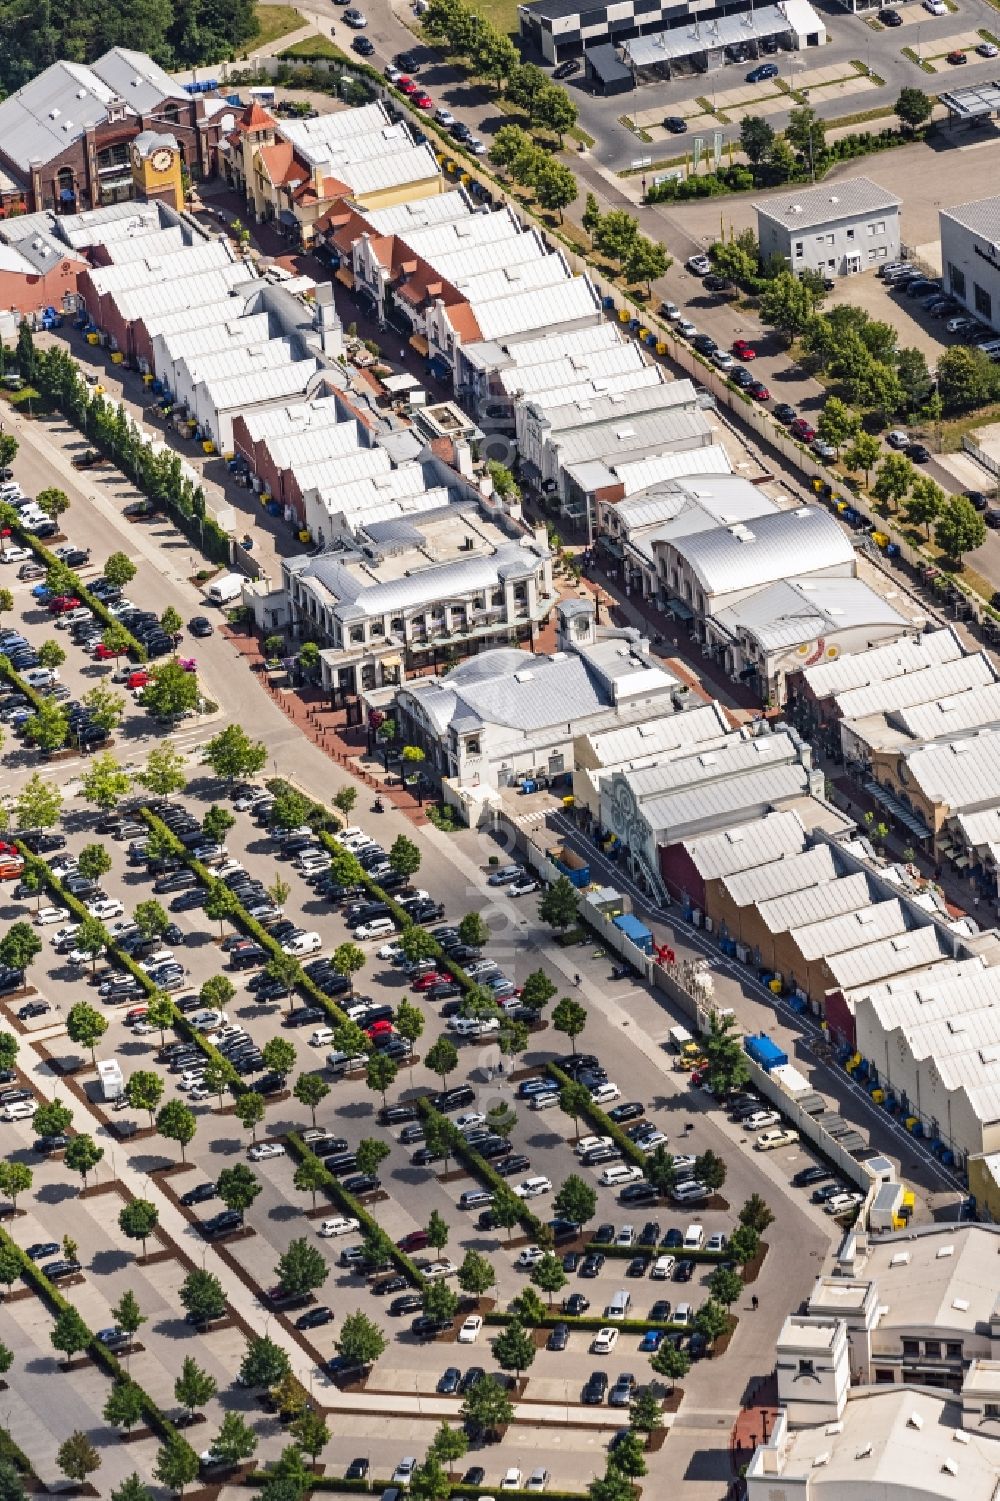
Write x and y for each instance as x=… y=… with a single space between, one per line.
x=754 y=1422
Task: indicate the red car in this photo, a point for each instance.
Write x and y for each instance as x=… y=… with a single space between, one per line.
x=104 y=653
x=423 y=101
x=61 y=604
x=759 y=391
x=432 y=977
x=800 y=429
x=137 y=679
x=379 y=1029
x=407 y=86
x=743 y=350
x=415 y=1240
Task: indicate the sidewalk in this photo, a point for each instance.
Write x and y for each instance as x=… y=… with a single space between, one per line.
x=754 y=1422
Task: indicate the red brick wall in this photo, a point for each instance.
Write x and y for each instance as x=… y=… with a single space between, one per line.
x=30 y=294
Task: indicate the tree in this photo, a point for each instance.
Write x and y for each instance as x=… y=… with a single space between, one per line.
x=787 y=304
x=221 y=905
x=863 y=453
x=429 y=1481
x=361 y=1340
x=311 y=1090
x=82 y=1155
x=926 y=502
x=279 y=1056
x=670 y=1362
x=437 y=1232
x=660 y=1169
x=92 y=938
x=202 y=1297
x=151 y=918
x=913 y=107
x=286 y=971
x=232 y=754
x=725 y=1285
x=105 y=706
x=805 y=133
x=217 y=823
x=310 y=1432
x=409 y=1024
x=448 y=1445
x=345 y=799
x=19 y=946
x=381 y=1073
x=132 y=1489
x=144 y=1091
x=442 y=1058
x=86 y=1026
x=727 y=1066
x=616 y=234
x=77 y=1457
x=570 y=1018
x=127 y=1314
x=914 y=377
x=194 y=1387
x=487 y=1407
x=69 y=1334
x=645 y=1411
x=138 y=1220
x=163 y=772
x=647 y=261
x=528 y=1307
x=310 y=1176
x=235 y=1440
x=574 y=1101
x=177 y=1122
x=39 y=804
x=967 y=378
x=756 y=1213
x=53 y=502
x=555 y=186
x=171 y=622
x=507 y=1208
x=238 y=1186
x=576 y=1200
x=474 y=931
x=711 y=1319
x=628 y=1456
x=756 y=139
x=371 y=1153
x=9 y=1046
x=264 y=1364
x=171 y=691
x=51 y=655
x=508 y=143
x=31 y=878
x=838 y=424
x=548 y=1275
x=710 y=1169
x=558 y=905
x=960 y=528
x=348 y=959
x=475 y=1275
x=439 y=1301
x=53 y=1118
x=119 y=569
x=176 y=1463
x=117 y=639
x=416 y=943
x=11 y=1265
x=48 y=727
x=15 y=1178
x=744 y=1243
x=404 y=856
x=125 y=1405
x=893 y=480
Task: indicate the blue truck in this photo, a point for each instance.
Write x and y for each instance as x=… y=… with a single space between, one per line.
x=765 y=1052
x=636 y=931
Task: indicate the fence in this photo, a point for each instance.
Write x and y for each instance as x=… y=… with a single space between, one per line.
x=980 y=455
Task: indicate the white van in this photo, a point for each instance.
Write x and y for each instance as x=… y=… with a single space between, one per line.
x=694 y=1237
x=225 y=589
x=690 y=1192
x=545 y=1101
x=619 y=1306
x=663 y=1268
x=343 y=1063
x=619 y=1173
x=605 y=1094
x=321 y=1038
x=682 y=1314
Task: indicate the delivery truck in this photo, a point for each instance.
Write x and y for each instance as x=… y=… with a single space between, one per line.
x=224 y=589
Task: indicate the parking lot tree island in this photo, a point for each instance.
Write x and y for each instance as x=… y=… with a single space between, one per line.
x=137 y=1221
x=82 y=1155
x=232 y=754
x=163 y=773
x=238 y=1186
x=569 y=1017
x=202 y=1297
x=105 y=782
x=360 y=1339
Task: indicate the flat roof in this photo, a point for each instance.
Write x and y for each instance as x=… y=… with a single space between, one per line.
x=707 y=36
x=908 y=654
x=969 y=104
x=847 y=198
x=746 y=845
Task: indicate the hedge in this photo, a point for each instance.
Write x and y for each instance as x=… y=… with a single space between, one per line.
x=11 y=1451
x=47 y=1290
x=478 y=1164
x=83 y=594
x=374 y=1486
x=35 y=699
x=682 y=1253
x=585 y=1321
x=350 y=1205
x=601 y=1121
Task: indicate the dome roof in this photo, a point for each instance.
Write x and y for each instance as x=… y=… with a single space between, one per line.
x=501 y=662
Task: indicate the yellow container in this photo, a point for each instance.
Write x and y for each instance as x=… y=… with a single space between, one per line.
x=878 y=1096
x=117 y=358
x=880 y=539
x=93 y=338
x=98 y=390
x=148 y=379
x=207 y=446
x=623 y=315
x=774 y=986
x=661 y=347
x=305 y=536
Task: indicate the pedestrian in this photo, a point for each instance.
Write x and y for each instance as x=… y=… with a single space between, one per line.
x=402 y=355
x=754 y=1302
x=576 y=980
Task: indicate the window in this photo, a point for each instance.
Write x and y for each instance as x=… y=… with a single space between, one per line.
x=884 y=1377
x=911 y=1347
x=850 y=234
x=871 y=255
x=953 y=1349
x=357 y=633
x=992 y=1410
x=880 y=227
x=956 y=280
x=797 y=247
x=932 y=1349
x=983 y=301
x=882 y=252
x=807 y=1368
x=829 y=239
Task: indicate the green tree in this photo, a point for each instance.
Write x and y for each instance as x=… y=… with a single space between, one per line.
x=151 y=918
x=448 y=1445
x=894 y=478
x=360 y=1339
x=310 y=1090
x=310 y=1432
x=616 y=235
x=507 y=1208
x=508 y=142
x=119 y=570
x=264 y=1364
x=137 y=1221
x=548 y=1275
x=474 y=931
x=475 y=1275
x=756 y=1213
x=116 y=639
x=416 y=944
x=409 y=1024
x=235 y=1440
x=645 y=1412
x=787 y=304
x=39 y=804
x=19 y=946
x=838 y=424
x=48 y=727
x=967 y=378
x=725 y=1285
x=591 y=217
x=570 y=1018
x=863 y=454
x=232 y=754
x=279 y=1056
x=92 y=938
x=710 y=1169
x=805 y=133
x=554 y=109
x=171 y=622
x=576 y=1200
x=144 y=1091
x=960 y=528
x=558 y=905
x=15 y=1178
x=437 y=1232
x=711 y=1320
x=53 y=502
x=77 y=1457
x=528 y=1307
x=914 y=377
x=429 y=1481
x=127 y=1314
x=646 y=262
x=926 y=502
x=287 y=972
x=442 y=1058
x=11 y=1265
x=171 y=691
x=670 y=1362
x=69 y=1334
x=727 y=1066
x=574 y=1101
x=439 y=1301
x=556 y=188
x=404 y=856
x=131 y=1489
x=51 y=655
x=202 y=1297
x=194 y=1388
x=660 y=1169
x=381 y=1073
x=628 y=1457
x=348 y=959
x=310 y=1176
x=86 y=1026
x=345 y=799
x=221 y=905
x=913 y=107
x=177 y=1122
x=82 y=1155
x=744 y=1243
x=371 y=1153
x=163 y=772
x=487 y=1407
x=217 y=823
x=125 y=1404
x=105 y=706
x=239 y=1185
x=756 y=139
x=52 y=1118
x=738 y=258
x=176 y=1463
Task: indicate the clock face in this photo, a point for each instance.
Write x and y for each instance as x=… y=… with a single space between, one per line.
x=161 y=159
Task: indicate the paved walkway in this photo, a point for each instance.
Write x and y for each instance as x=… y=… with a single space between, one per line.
x=754 y=1422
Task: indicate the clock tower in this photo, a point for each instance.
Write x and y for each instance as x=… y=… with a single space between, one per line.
x=156 y=168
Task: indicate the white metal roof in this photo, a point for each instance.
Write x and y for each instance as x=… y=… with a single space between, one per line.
x=707 y=806
x=146 y=245
x=264 y=385
x=467 y=232
x=436 y=208
x=958 y=774
x=850 y=930
x=539 y=307
x=639 y=474
x=293 y=417
x=393 y=170
x=207 y=287
x=951 y=715
x=315 y=445
x=779 y=877
x=909 y=654
x=793 y=611
x=783 y=544
x=327 y=477
x=746 y=845
x=814 y=904
x=545 y=382
x=156 y=269
x=933 y=683
x=227 y=308
x=847 y=198
x=669 y=732
x=611 y=407
x=208 y=338
x=892 y=956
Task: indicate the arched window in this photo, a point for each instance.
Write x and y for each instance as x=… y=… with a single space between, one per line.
x=65 y=186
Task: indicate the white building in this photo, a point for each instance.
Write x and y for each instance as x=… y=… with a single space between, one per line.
x=838 y=229
x=970 y=257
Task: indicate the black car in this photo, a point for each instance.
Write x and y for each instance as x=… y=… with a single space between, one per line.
x=314 y=1318
x=742 y=377
x=42 y=1248
x=33 y=1008
x=559 y=1337
x=713 y=283
x=271 y=1083
x=567 y=69
x=57 y=1270
x=426 y=1327
x=637 y=1267
x=650 y=1233
x=684 y=1271
x=363 y=1183
x=630 y=1111
x=807 y=1176
x=516 y=1163
x=575 y=1305
x=222 y=1224
x=407 y=62
x=660 y=1311
x=408 y=1303
x=639 y=1193
x=784 y=412
x=387 y=1285
x=676 y=124
x=362 y=46
x=357 y=1469
x=977 y=499
x=917 y=453
x=200 y=625
x=449 y=1383
x=303 y=1016
x=595 y=1391
x=45 y=1145
x=199 y=1195
x=704 y=344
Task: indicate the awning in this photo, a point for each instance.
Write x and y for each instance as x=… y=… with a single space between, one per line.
x=440 y=367
x=345 y=277
x=396 y=661
x=420 y=344
x=679 y=608
x=898 y=810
